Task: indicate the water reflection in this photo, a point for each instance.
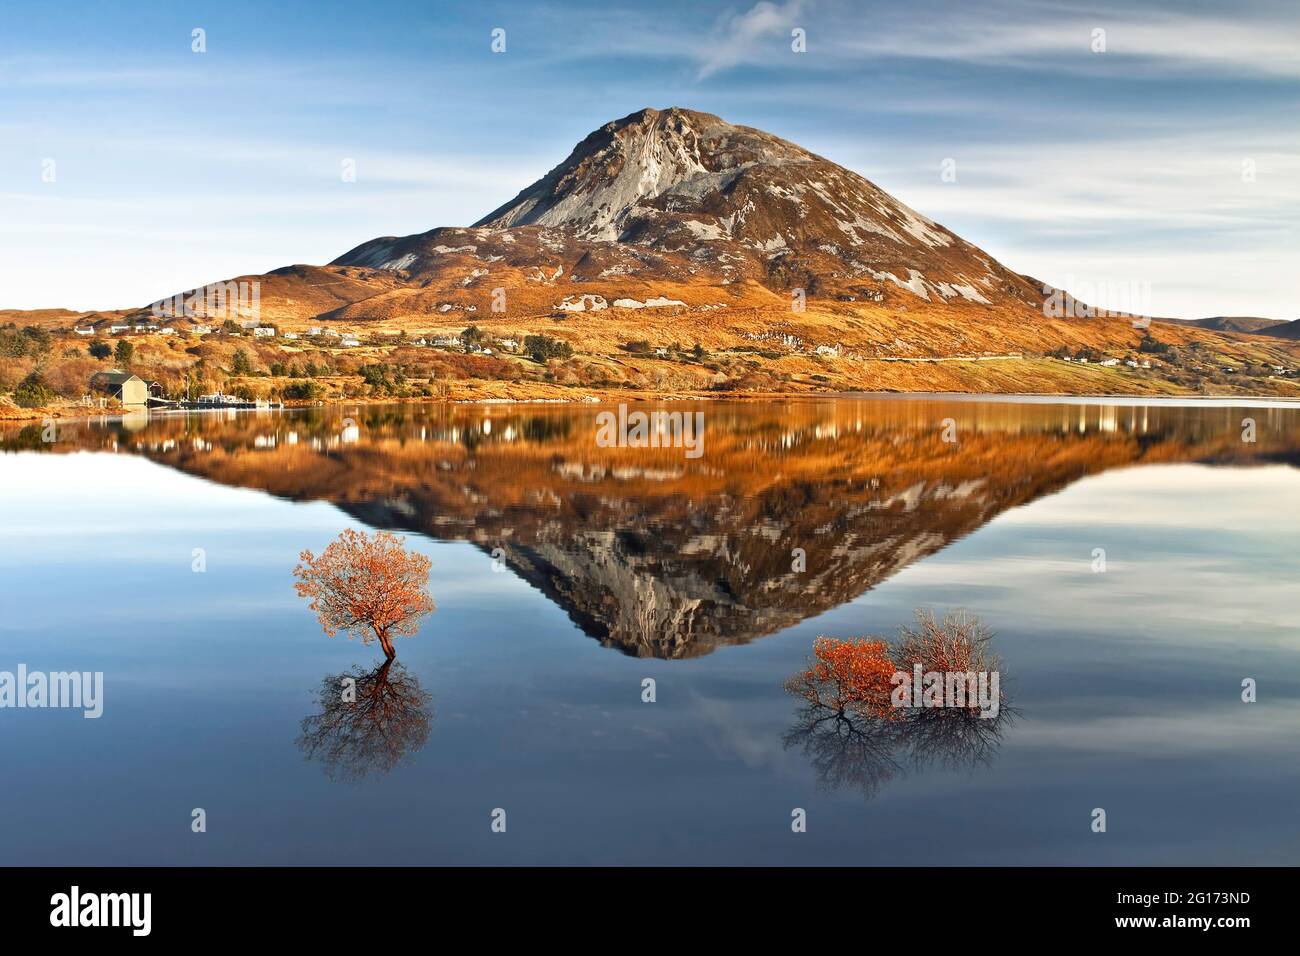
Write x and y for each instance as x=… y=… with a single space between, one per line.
x=370 y=721
x=658 y=555
x=865 y=753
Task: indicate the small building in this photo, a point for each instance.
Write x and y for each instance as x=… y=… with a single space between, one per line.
x=200 y=330
x=126 y=388
x=290 y=335
x=81 y=331
x=264 y=332
x=118 y=328
x=349 y=342
x=1110 y=362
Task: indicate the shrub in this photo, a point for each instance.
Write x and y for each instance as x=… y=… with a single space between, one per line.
x=543 y=348
x=32 y=392
x=848 y=677
x=302 y=390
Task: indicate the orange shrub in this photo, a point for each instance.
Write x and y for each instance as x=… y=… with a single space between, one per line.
x=848 y=676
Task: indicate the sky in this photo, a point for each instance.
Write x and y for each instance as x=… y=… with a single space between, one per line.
x=1159 y=158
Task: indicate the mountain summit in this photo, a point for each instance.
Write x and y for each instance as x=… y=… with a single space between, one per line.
x=641 y=169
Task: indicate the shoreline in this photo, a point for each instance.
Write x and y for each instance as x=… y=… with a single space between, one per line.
x=10 y=416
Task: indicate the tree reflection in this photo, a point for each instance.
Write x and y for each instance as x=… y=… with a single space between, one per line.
x=846 y=753
x=370 y=721
x=865 y=753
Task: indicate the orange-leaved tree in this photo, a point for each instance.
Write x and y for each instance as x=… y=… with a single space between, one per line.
x=371 y=587
x=848 y=676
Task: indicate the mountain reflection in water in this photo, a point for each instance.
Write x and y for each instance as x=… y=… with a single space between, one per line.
x=663 y=556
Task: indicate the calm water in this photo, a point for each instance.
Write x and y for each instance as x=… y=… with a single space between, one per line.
x=565 y=573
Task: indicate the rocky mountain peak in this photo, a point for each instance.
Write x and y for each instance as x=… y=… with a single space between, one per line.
x=649 y=159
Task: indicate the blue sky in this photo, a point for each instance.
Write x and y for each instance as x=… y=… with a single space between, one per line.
x=1086 y=169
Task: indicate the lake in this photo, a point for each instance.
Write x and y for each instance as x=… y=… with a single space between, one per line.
x=1135 y=561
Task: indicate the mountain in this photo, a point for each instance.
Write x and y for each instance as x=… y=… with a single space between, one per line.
x=676 y=194
x=1238 y=323
x=737 y=201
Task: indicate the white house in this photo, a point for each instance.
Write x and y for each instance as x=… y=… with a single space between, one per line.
x=1109 y=362
x=264 y=332
x=80 y=331
x=118 y=329
x=349 y=341
x=200 y=330
x=290 y=335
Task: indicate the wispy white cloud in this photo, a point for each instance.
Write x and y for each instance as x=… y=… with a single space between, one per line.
x=738 y=35
x=1022 y=34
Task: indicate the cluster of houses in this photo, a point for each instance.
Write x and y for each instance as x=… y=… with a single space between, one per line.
x=123 y=328
x=259 y=331
x=1110 y=362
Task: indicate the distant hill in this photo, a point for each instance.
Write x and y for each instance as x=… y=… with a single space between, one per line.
x=1284 y=330
x=1239 y=323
